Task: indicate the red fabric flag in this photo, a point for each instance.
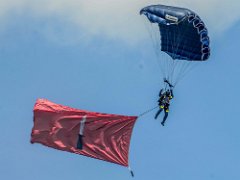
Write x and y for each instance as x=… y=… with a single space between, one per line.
x=97 y=135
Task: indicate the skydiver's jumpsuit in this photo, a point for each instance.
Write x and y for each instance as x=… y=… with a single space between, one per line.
x=164 y=103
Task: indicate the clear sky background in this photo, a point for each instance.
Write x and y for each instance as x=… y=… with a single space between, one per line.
x=97 y=55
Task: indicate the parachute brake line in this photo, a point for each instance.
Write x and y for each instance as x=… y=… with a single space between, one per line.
x=148 y=111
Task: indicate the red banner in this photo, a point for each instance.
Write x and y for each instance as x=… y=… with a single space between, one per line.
x=97 y=135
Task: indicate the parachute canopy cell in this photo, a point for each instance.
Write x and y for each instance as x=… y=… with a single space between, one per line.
x=184 y=35
x=97 y=135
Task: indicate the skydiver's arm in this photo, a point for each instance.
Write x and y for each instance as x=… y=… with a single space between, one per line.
x=170 y=85
x=166 y=81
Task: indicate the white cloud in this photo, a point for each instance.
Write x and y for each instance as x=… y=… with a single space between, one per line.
x=121 y=19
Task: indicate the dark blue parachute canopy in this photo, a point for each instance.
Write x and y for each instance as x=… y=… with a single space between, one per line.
x=184 y=36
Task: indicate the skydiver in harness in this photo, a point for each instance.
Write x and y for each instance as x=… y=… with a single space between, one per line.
x=164 y=101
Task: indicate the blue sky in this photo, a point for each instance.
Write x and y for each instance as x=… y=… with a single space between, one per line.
x=53 y=51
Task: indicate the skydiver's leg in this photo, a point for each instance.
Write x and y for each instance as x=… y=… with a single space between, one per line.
x=165 y=116
x=159 y=111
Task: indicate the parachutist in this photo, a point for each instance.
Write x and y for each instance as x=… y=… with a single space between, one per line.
x=164 y=103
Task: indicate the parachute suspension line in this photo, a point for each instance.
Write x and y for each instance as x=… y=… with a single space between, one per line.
x=191 y=67
x=168 y=65
x=151 y=36
x=182 y=68
x=183 y=65
x=148 y=111
x=160 y=58
x=152 y=31
x=155 y=38
x=172 y=63
x=164 y=60
x=175 y=40
x=178 y=40
x=188 y=66
x=167 y=60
